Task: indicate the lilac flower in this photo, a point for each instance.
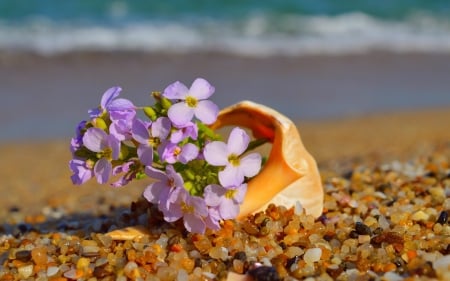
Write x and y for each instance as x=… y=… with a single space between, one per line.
x=129 y=171
x=107 y=148
x=218 y=153
x=187 y=130
x=193 y=102
x=159 y=192
x=150 y=135
x=82 y=171
x=192 y=208
x=226 y=200
x=77 y=141
x=212 y=221
x=121 y=128
x=172 y=153
x=117 y=108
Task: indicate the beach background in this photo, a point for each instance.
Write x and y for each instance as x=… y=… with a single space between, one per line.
x=360 y=78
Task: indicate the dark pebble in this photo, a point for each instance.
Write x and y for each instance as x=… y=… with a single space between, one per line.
x=22 y=228
x=443 y=217
x=264 y=273
x=362 y=229
x=334 y=273
x=100 y=272
x=241 y=255
x=353 y=234
x=14 y=209
x=292 y=261
x=24 y=255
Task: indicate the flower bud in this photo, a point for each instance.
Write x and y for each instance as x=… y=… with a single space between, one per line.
x=100 y=123
x=166 y=103
x=150 y=112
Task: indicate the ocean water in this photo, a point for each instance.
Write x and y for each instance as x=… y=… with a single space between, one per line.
x=253 y=28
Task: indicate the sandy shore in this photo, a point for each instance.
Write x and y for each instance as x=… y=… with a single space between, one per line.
x=36 y=174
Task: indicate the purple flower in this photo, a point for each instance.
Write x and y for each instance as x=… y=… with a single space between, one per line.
x=77 y=141
x=159 y=192
x=226 y=200
x=212 y=221
x=107 y=148
x=172 y=153
x=187 y=130
x=150 y=135
x=192 y=209
x=82 y=171
x=121 y=128
x=193 y=102
x=117 y=108
x=218 y=153
x=129 y=171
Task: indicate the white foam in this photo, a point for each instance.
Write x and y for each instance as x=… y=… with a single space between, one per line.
x=255 y=36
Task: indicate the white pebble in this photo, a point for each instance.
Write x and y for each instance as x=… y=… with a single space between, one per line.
x=312 y=255
x=25 y=271
x=392 y=276
x=182 y=275
x=52 y=270
x=219 y=253
x=298 y=208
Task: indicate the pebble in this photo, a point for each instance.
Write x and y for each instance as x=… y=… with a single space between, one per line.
x=39 y=255
x=443 y=217
x=312 y=255
x=264 y=273
x=52 y=270
x=25 y=271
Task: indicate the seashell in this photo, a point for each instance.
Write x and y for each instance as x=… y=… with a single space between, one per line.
x=290 y=174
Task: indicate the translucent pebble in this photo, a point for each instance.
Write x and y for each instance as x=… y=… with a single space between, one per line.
x=420 y=216
x=83 y=263
x=52 y=270
x=442 y=267
x=39 y=255
x=392 y=276
x=218 y=253
x=312 y=255
x=383 y=222
x=166 y=273
x=25 y=271
x=182 y=275
x=294 y=251
x=130 y=269
x=298 y=208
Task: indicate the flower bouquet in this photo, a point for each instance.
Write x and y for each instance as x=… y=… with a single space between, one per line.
x=197 y=177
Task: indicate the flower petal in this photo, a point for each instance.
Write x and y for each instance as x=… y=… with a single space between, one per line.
x=94 y=139
x=176 y=90
x=201 y=89
x=194 y=223
x=109 y=95
x=103 y=170
x=251 y=164
x=228 y=209
x=145 y=154
x=140 y=132
x=206 y=111
x=231 y=176
x=188 y=153
x=216 y=153
x=238 y=141
x=180 y=114
x=155 y=173
x=161 y=128
x=213 y=194
x=153 y=191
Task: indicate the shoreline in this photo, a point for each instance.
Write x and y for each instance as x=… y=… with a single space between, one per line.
x=45 y=97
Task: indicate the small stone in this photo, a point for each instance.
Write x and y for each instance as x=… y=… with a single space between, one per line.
x=362 y=229
x=420 y=216
x=83 y=263
x=25 y=271
x=312 y=255
x=52 y=270
x=39 y=255
x=91 y=251
x=443 y=217
x=264 y=273
x=218 y=253
x=23 y=255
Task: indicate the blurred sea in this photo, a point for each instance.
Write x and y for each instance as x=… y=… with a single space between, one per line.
x=253 y=27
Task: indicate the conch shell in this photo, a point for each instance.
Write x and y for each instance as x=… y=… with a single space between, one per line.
x=290 y=174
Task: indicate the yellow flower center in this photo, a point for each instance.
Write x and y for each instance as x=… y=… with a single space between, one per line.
x=154 y=142
x=234 y=160
x=191 y=101
x=230 y=193
x=107 y=153
x=186 y=208
x=177 y=151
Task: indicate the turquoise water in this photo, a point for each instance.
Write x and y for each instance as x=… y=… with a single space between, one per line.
x=241 y=27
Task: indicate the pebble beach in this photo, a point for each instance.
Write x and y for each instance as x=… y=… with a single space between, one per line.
x=387 y=185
